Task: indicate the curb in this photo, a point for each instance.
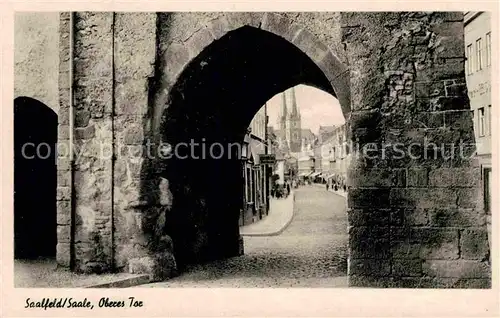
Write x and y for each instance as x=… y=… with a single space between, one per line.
x=124 y=282
x=279 y=231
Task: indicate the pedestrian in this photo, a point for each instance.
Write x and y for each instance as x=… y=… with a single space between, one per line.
x=326 y=186
x=287 y=188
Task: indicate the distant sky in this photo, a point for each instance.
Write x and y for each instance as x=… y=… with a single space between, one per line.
x=316 y=107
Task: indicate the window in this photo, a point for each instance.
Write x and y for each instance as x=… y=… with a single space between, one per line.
x=470 y=58
x=488 y=49
x=479 y=54
x=481 y=124
x=489 y=120
x=487 y=189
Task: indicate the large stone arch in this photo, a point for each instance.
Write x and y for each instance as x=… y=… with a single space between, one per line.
x=214 y=98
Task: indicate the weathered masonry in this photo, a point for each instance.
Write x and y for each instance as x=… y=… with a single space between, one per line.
x=129 y=81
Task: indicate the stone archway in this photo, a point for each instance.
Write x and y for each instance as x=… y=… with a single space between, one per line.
x=211 y=104
x=404 y=82
x=35 y=137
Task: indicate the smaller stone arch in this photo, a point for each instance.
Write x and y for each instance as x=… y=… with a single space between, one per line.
x=35 y=179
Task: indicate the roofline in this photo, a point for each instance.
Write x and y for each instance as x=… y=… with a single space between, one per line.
x=470 y=16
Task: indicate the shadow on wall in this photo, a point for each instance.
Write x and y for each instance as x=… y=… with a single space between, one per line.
x=35 y=179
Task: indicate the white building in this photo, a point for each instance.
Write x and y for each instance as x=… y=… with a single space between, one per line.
x=477 y=36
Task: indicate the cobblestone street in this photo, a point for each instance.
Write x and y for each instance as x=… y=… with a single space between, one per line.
x=311 y=252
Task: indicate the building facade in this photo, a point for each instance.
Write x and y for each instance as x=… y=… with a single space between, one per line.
x=477 y=35
x=256 y=175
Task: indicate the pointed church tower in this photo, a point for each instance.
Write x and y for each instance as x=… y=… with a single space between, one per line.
x=293 y=125
x=283 y=113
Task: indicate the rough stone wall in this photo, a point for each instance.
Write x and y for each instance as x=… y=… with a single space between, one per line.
x=36 y=48
x=93 y=138
x=64 y=170
x=414 y=221
x=140 y=200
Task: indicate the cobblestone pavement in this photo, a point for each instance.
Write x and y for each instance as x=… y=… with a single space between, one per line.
x=311 y=252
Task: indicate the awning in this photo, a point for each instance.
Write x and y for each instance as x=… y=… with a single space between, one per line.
x=331 y=176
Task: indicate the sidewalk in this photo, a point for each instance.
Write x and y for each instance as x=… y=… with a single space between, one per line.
x=43 y=273
x=280 y=216
x=342 y=193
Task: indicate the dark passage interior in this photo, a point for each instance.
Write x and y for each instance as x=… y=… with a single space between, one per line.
x=35 y=179
x=214 y=101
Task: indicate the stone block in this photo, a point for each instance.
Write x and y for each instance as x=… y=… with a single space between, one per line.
x=370 y=281
x=311 y=46
x=456 y=217
x=134 y=135
x=417 y=177
x=131 y=97
x=63 y=193
x=451 y=46
x=199 y=41
x=433 y=243
x=63 y=254
x=218 y=27
x=63 y=233
x=376 y=198
x=456 y=269
x=437 y=282
x=407 y=267
x=423 y=198
x=63 y=212
x=135 y=44
x=63 y=116
x=159 y=267
x=368 y=217
x=175 y=58
x=444 y=103
x=63 y=132
x=460 y=120
x=377 y=177
x=470 y=198
x=450 y=16
x=94 y=95
x=63 y=164
x=237 y=20
x=456 y=90
x=82 y=117
x=474 y=244
x=449 y=68
x=405 y=250
x=454 y=177
x=85 y=132
x=369 y=267
x=408 y=216
x=280 y=25
x=429 y=119
x=369 y=242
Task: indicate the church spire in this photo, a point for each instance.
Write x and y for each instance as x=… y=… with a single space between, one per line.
x=294 y=110
x=283 y=111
